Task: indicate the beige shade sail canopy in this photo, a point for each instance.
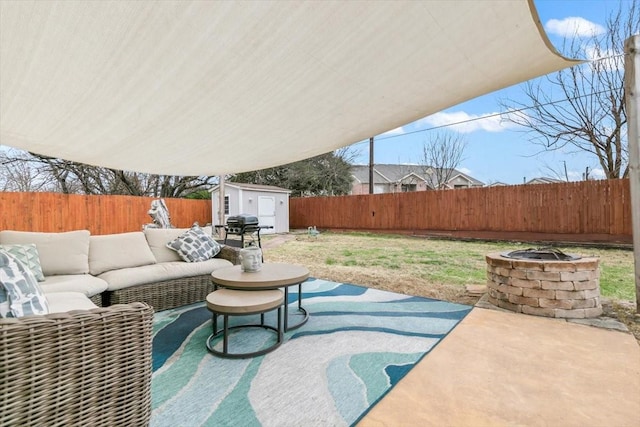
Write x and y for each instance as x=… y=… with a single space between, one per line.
x=207 y=87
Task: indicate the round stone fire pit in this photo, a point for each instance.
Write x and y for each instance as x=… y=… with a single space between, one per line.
x=545 y=287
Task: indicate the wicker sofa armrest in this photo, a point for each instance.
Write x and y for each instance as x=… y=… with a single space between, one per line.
x=80 y=368
x=230 y=253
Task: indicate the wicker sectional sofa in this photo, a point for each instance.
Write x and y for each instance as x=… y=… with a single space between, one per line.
x=88 y=362
x=122 y=268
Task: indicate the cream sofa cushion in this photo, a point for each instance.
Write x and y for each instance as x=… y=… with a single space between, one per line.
x=115 y=251
x=157 y=238
x=83 y=283
x=127 y=277
x=60 y=253
x=61 y=302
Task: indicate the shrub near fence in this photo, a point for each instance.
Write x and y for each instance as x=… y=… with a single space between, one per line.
x=55 y=212
x=594 y=211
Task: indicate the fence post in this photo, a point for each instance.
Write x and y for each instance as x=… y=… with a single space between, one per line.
x=632 y=91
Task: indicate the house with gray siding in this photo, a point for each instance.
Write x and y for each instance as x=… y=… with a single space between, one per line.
x=388 y=178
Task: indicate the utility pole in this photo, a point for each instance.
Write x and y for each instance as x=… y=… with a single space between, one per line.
x=632 y=91
x=371 y=165
x=566 y=175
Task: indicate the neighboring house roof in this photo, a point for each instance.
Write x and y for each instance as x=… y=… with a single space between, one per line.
x=543 y=180
x=411 y=177
x=497 y=184
x=255 y=187
x=471 y=179
x=361 y=174
x=389 y=173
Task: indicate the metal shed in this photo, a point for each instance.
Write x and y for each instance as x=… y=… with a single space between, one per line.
x=270 y=204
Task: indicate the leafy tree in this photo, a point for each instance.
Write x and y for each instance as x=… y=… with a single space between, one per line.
x=325 y=175
x=592 y=116
x=199 y=195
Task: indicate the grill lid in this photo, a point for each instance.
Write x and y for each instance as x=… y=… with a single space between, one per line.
x=242 y=220
x=542 y=253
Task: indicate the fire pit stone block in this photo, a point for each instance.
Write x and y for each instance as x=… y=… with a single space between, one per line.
x=549 y=288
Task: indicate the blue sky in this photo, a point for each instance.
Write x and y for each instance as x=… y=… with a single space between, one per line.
x=497 y=151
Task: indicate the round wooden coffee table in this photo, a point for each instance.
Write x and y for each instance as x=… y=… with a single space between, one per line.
x=270 y=276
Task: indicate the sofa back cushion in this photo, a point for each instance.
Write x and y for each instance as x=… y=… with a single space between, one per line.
x=115 y=251
x=59 y=253
x=158 y=239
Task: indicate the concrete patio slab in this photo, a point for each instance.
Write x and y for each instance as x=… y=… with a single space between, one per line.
x=507 y=369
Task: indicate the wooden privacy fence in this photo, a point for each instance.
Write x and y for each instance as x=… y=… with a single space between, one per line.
x=53 y=212
x=581 y=211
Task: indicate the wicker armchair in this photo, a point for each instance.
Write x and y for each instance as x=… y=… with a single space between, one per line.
x=80 y=368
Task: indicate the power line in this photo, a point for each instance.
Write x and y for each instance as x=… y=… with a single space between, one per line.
x=488 y=116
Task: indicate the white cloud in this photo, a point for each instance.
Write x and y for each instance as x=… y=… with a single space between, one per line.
x=467 y=123
x=573 y=26
x=604 y=60
x=597 y=173
x=465 y=171
x=575 y=175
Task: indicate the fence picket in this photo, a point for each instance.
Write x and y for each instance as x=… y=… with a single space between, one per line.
x=582 y=211
x=54 y=212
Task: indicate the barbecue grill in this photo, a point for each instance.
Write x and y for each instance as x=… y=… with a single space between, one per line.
x=242 y=224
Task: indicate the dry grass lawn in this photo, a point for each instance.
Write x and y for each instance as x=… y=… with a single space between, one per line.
x=431 y=267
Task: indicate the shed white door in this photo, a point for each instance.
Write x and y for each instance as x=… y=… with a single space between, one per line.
x=267 y=213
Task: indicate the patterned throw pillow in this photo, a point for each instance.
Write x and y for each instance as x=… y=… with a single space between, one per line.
x=28 y=255
x=5 y=307
x=21 y=289
x=195 y=245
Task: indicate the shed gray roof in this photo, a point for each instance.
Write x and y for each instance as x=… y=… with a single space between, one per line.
x=256 y=187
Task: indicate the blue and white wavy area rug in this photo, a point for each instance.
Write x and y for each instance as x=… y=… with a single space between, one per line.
x=357 y=344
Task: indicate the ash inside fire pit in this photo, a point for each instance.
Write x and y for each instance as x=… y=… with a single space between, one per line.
x=543 y=253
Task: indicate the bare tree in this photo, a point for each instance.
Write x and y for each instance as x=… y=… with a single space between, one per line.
x=591 y=116
x=441 y=155
x=17 y=173
x=32 y=172
x=558 y=172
